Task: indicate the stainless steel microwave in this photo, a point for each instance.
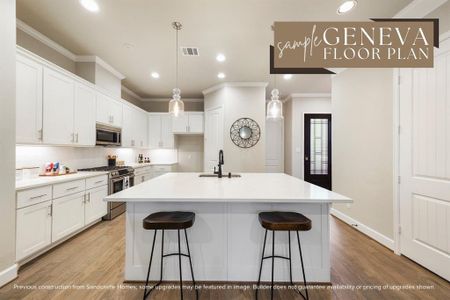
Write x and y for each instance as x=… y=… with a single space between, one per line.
x=108 y=135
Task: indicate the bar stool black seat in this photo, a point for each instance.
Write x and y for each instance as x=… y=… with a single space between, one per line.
x=169 y=220
x=283 y=221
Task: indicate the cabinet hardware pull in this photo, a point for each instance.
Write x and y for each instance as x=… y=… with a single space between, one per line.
x=97 y=182
x=40 y=134
x=73 y=137
x=36 y=197
x=50 y=211
x=76 y=135
x=72 y=188
x=89 y=197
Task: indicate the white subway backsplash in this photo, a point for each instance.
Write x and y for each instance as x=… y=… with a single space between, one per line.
x=78 y=157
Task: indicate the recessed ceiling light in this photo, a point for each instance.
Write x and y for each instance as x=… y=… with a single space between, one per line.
x=221 y=75
x=220 y=57
x=346 y=6
x=287 y=76
x=90 y=5
x=155 y=75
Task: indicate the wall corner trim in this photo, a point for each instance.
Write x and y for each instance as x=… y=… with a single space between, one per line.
x=44 y=39
x=61 y=50
x=373 y=234
x=234 y=84
x=8 y=275
x=419 y=8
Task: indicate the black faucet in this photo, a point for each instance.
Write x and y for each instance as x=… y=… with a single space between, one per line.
x=219 y=172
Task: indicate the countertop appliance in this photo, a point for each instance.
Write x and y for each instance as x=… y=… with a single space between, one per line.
x=108 y=135
x=120 y=178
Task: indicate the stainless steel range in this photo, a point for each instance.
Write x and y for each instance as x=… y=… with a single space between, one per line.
x=120 y=178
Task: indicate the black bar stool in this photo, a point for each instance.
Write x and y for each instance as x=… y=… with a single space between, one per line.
x=283 y=221
x=170 y=220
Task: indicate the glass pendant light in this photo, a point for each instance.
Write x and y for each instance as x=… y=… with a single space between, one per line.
x=275 y=106
x=176 y=106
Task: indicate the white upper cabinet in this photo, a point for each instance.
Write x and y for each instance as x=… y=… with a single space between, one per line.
x=84 y=115
x=28 y=101
x=160 y=131
x=59 y=94
x=188 y=123
x=109 y=111
x=134 y=127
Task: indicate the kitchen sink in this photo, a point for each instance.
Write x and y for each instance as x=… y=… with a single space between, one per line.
x=223 y=176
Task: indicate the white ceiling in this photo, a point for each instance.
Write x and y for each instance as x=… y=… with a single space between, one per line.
x=238 y=28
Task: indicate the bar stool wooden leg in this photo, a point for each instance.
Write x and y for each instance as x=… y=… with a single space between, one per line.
x=190 y=263
x=260 y=268
x=290 y=258
x=303 y=267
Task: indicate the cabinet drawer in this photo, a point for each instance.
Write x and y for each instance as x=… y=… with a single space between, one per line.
x=33 y=196
x=68 y=188
x=96 y=181
x=143 y=170
x=162 y=168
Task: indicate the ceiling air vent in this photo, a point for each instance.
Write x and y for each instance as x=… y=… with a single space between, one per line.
x=190 y=51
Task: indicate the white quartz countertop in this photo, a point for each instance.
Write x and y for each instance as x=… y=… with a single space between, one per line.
x=48 y=180
x=251 y=187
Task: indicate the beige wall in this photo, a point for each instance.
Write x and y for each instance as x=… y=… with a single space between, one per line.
x=443 y=13
x=30 y=43
x=298 y=107
x=362 y=107
x=7 y=133
x=190 y=153
x=163 y=106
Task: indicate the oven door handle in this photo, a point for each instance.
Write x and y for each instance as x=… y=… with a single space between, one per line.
x=121 y=178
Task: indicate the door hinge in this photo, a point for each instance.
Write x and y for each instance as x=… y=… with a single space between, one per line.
x=399 y=180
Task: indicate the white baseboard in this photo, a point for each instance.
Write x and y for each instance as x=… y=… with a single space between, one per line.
x=8 y=275
x=380 y=238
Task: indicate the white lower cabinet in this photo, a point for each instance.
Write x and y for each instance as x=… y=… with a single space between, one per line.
x=68 y=215
x=34 y=229
x=95 y=207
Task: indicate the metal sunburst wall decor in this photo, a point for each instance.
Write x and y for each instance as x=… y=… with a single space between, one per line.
x=245 y=133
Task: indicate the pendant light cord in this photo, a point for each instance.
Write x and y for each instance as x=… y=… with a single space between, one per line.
x=176 y=59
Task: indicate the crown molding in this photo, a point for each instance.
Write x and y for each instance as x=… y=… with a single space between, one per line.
x=44 y=39
x=130 y=92
x=100 y=62
x=419 y=8
x=61 y=50
x=234 y=84
x=307 y=95
x=168 y=99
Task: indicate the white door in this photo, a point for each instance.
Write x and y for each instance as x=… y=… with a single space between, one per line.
x=95 y=207
x=154 y=131
x=59 y=94
x=213 y=137
x=180 y=123
x=84 y=115
x=167 y=136
x=28 y=101
x=68 y=215
x=34 y=229
x=425 y=164
x=195 y=122
x=274 y=146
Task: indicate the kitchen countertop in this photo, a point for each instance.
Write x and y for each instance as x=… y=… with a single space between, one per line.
x=141 y=165
x=251 y=187
x=48 y=180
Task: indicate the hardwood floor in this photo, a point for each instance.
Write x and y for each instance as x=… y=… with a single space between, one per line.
x=96 y=257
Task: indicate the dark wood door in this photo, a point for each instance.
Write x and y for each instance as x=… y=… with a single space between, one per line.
x=317 y=155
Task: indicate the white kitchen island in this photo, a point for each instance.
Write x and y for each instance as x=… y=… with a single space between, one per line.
x=226 y=239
